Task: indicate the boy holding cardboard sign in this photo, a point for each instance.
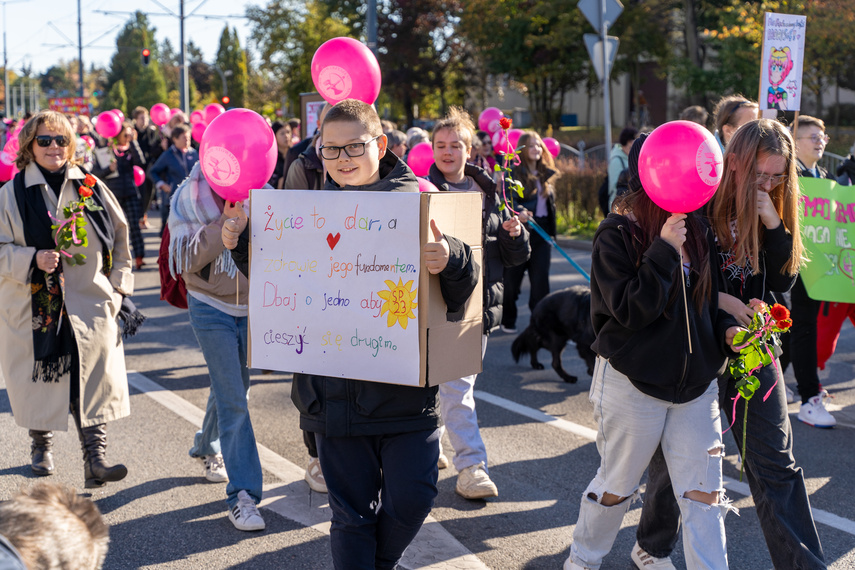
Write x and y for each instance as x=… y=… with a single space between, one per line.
x=378 y=443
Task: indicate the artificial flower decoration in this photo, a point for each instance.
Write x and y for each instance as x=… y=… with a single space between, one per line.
x=70 y=231
x=755 y=352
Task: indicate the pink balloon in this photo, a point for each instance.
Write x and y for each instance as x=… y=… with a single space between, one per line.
x=198 y=131
x=420 y=158
x=7 y=158
x=344 y=68
x=514 y=137
x=488 y=120
x=680 y=166
x=173 y=112
x=197 y=117
x=238 y=153
x=7 y=172
x=90 y=142
x=425 y=185
x=553 y=146
x=501 y=143
x=139 y=176
x=108 y=125
x=159 y=114
x=12 y=145
x=120 y=114
x=213 y=111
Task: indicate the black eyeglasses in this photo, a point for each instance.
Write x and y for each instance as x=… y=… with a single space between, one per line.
x=44 y=140
x=352 y=150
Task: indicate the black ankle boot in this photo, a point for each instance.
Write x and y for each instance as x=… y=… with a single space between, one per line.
x=95 y=470
x=40 y=452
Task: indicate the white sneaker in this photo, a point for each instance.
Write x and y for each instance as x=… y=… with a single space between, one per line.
x=315 y=477
x=244 y=515
x=570 y=565
x=474 y=483
x=645 y=561
x=791 y=397
x=442 y=462
x=215 y=468
x=813 y=413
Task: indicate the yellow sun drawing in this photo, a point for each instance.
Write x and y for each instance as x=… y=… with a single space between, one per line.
x=400 y=302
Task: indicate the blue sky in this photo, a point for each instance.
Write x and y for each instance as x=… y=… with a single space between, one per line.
x=35 y=28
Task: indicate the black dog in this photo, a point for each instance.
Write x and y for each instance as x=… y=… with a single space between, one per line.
x=560 y=316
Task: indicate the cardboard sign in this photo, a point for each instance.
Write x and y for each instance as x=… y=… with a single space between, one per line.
x=828 y=213
x=337 y=283
x=781 y=64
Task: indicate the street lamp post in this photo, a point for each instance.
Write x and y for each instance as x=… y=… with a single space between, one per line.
x=5 y=57
x=223 y=75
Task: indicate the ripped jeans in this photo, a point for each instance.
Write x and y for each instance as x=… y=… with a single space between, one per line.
x=631 y=425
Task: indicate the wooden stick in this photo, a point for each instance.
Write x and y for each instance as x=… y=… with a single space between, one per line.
x=685 y=302
x=796 y=127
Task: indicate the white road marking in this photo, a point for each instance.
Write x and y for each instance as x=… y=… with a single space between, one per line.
x=434 y=548
x=819 y=515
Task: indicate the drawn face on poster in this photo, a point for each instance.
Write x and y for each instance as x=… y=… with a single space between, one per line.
x=781 y=69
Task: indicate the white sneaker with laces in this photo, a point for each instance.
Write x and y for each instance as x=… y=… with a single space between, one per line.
x=442 y=462
x=645 y=561
x=244 y=515
x=215 y=468
x=813 y=412
x=474 y=483
x=315 y=477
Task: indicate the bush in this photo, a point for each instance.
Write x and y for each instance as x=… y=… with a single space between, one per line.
x=847 y=115
x=576 y=194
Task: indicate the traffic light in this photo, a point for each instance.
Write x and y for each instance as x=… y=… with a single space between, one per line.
x=225 y=99
x=145 y=56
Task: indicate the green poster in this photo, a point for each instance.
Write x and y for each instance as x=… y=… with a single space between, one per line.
x=828 y=213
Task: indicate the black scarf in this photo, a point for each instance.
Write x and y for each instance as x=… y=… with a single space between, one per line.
x=53 y=339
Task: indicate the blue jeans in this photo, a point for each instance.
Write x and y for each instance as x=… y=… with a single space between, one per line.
x=631 y=425
x=207 y=440
x=223 y=342
x=381 y=489
x=777 y=485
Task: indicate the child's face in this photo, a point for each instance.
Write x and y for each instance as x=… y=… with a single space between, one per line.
x=352 y=170
x=449 y=153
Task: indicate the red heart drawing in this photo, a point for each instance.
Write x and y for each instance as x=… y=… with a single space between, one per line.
x=332 y=240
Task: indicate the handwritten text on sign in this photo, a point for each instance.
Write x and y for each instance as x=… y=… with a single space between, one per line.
x=334 y=282
x=828 y=214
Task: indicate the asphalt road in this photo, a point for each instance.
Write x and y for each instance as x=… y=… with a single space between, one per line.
x=538 y=435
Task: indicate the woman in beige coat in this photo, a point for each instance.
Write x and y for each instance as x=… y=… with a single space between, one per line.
x=62 y=347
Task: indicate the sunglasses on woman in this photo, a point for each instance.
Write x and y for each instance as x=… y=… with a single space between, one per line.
x=44 y=140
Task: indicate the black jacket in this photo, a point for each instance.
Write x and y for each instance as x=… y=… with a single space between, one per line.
x=342 y=407
x=500 y=249
x=529 y=199
x=775 y=252
x=123 y=185
x=642 y=335
x=149 y=141
x=805 y=172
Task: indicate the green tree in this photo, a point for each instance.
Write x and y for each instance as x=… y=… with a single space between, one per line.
x=145 y=84
x=58 y=82
x=231 y=60
x=117 y=98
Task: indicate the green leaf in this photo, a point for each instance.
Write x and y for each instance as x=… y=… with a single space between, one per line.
x=752 y=360
x=79 y=258
x=497 y=168
x=739 y=337
x=501 y=207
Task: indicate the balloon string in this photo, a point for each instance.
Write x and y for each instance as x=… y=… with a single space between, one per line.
x=685 y=303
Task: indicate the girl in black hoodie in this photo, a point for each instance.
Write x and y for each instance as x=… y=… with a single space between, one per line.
x=654 y=382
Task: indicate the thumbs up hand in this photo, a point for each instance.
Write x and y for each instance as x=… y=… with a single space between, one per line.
x=235 y=225
x=436 y=251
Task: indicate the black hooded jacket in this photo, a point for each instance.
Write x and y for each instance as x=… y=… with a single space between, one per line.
x=344 y=407
x=640 y=329
x=500 y=249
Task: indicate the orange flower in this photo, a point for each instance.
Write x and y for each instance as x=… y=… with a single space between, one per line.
x=90 y=180
x=779 y=312
x=505 y=122
x=85 y=192
x=784 y=324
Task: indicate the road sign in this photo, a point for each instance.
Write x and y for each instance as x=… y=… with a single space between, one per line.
x=593 y=11
x=595 y=50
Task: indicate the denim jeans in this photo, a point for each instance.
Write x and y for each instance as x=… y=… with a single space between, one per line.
x=777 y=485
x=222 y=339
x=207 y=440
x=631 y=425
x=381 y=489
x=457 y=404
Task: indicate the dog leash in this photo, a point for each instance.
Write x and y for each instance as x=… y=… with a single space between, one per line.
x=542 y=233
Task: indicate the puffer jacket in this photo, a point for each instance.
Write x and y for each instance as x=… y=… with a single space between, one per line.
x=500 y=249
x=344 y=407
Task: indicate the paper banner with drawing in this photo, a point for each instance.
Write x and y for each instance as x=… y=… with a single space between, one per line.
x=828 y=213
x=781 y=64
x=334 y=282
